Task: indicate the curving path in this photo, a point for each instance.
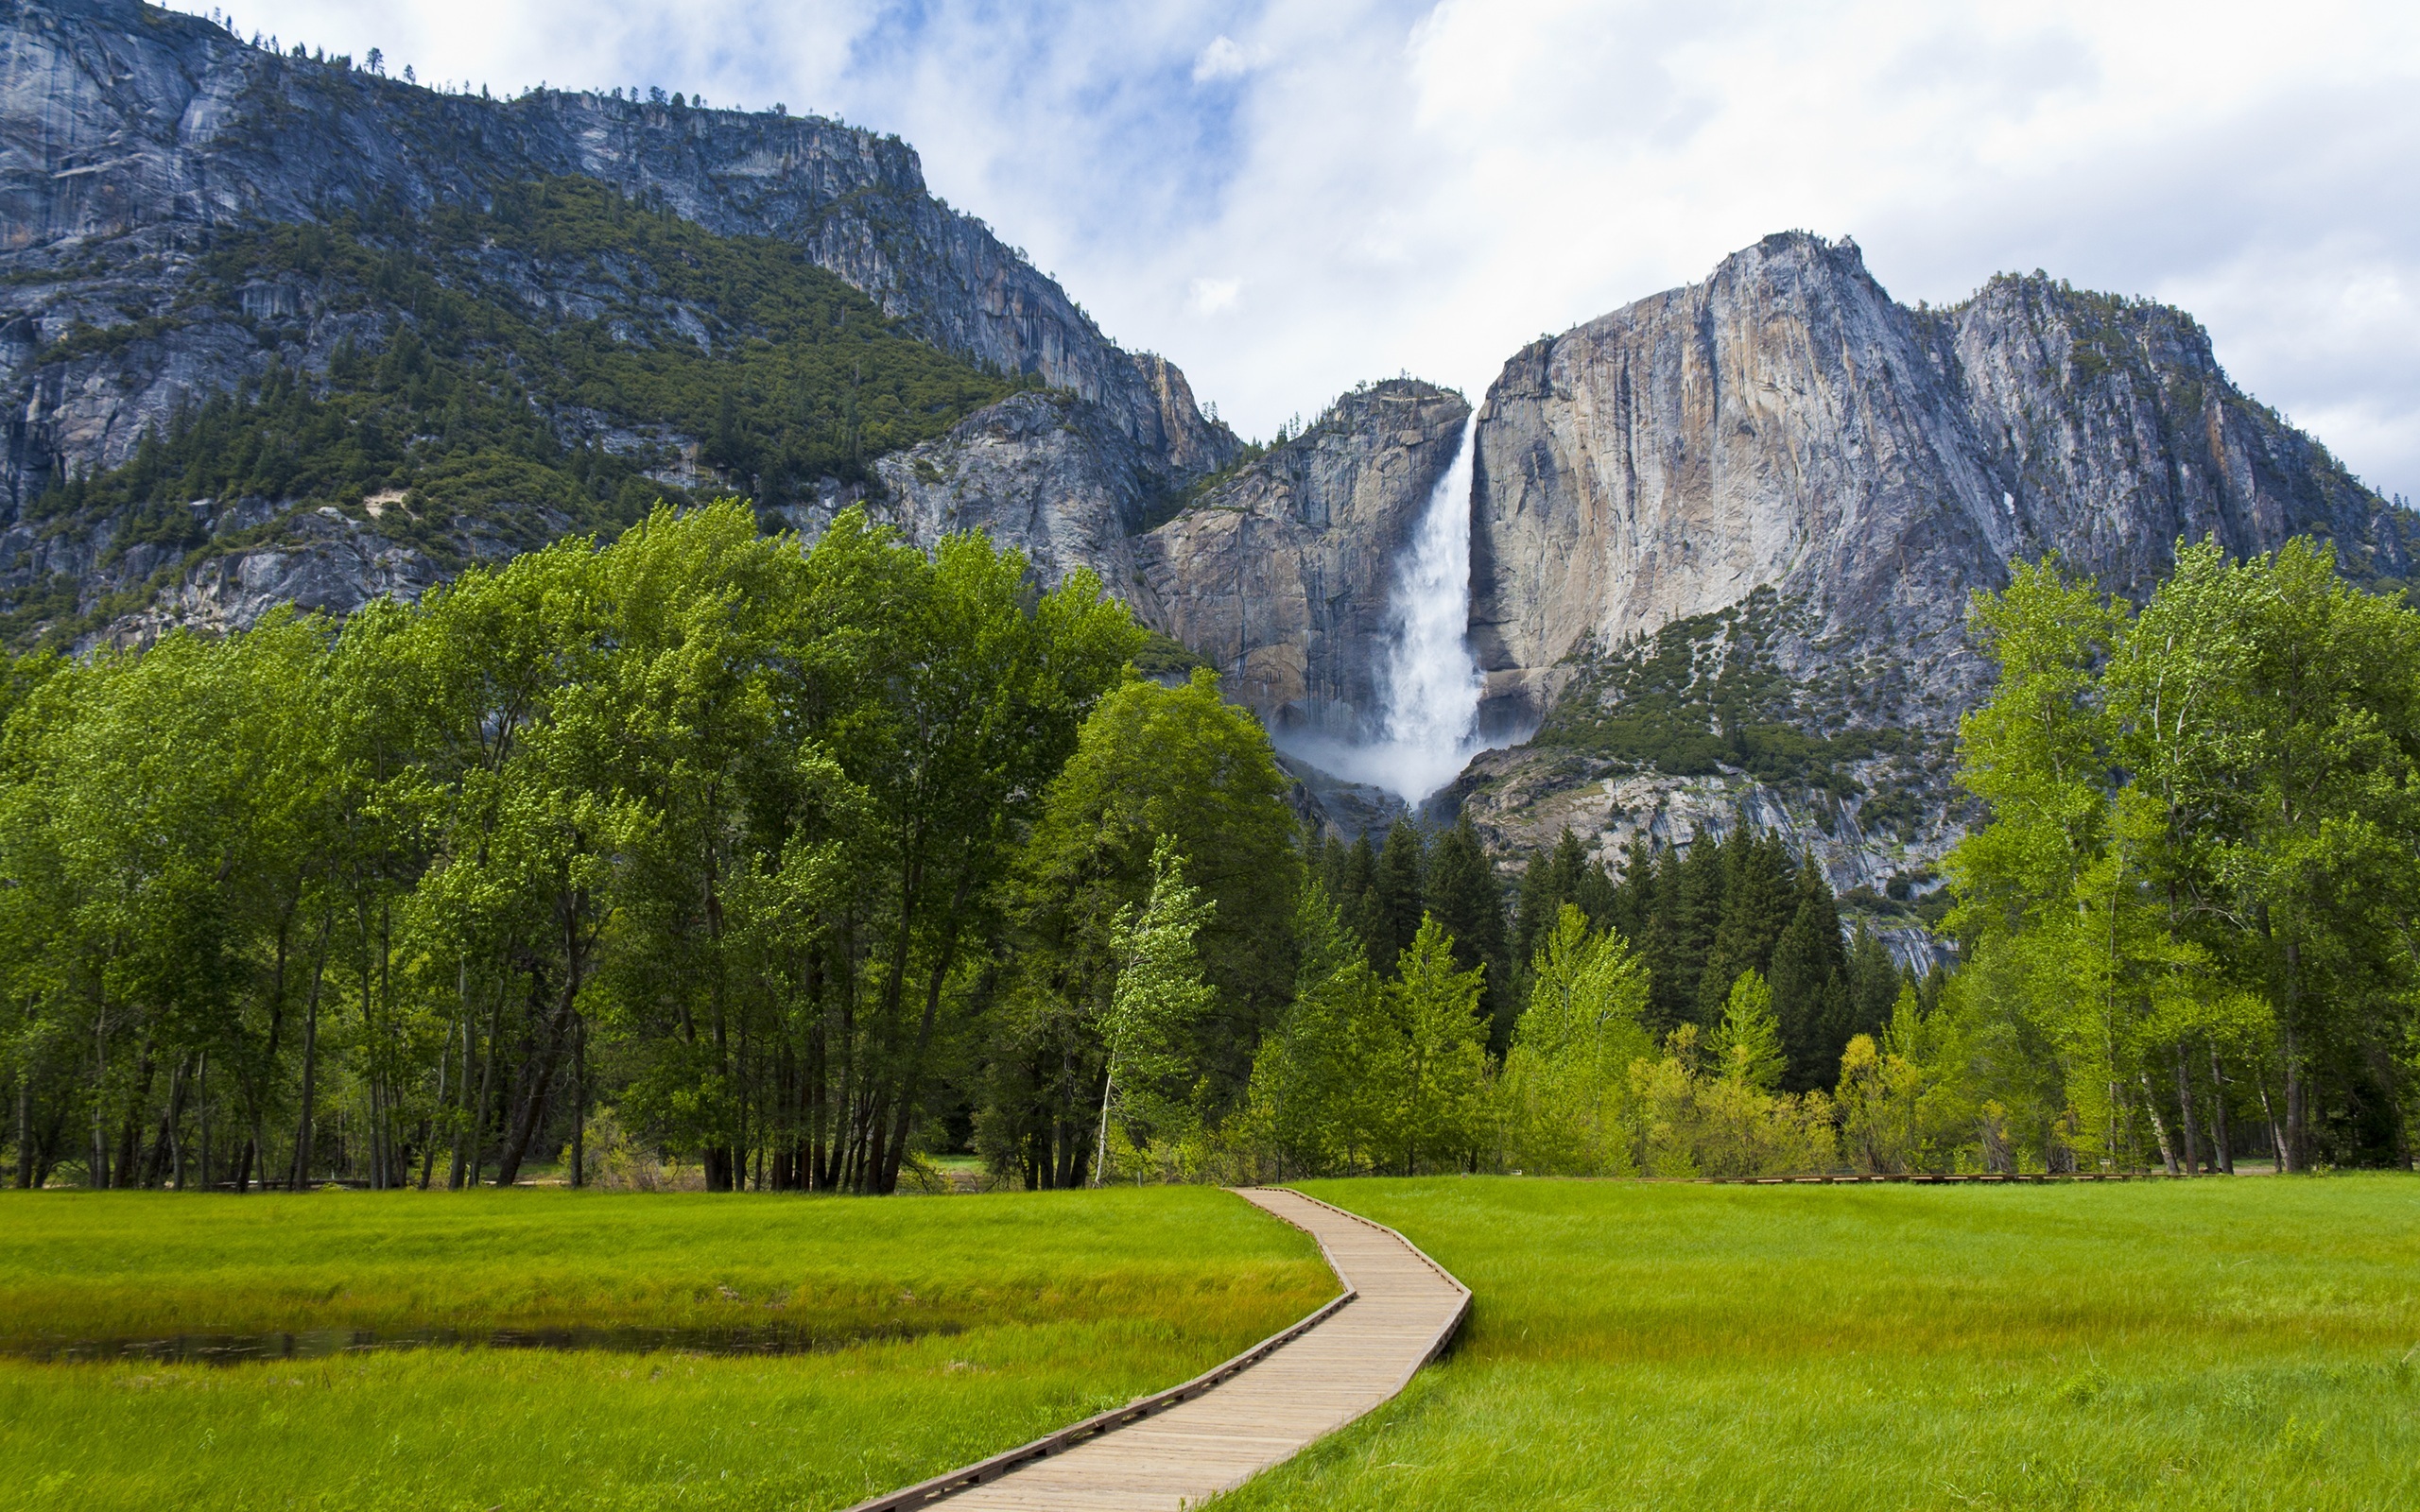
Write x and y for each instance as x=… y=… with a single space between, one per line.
x=1176 y=1449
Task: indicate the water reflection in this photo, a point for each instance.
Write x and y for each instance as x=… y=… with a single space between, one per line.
x=319 y=1344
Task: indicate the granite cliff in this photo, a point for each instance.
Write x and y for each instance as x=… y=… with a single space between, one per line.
x=1723 y=538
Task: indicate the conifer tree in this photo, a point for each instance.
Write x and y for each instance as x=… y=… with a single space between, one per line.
x=1356 y=899
x=1402 y=888
x=1463 y=895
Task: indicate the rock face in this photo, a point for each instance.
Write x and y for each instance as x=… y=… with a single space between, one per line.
x=119 y=120
x=1283 y=575
x=1723 y=538
x=1786 y=424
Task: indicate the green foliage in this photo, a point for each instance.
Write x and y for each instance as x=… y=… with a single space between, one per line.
x=1747 y=1045
x=1155 y=1008
x=701 y=819
x=1567 y=1079
x=1151 y=765
x=2186 y=902
x=1430 y=1072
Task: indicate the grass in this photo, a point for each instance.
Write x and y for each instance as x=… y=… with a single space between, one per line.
x=977 y=1322
x=2211 y=1344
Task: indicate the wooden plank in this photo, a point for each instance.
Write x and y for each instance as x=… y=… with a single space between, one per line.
x=1177 y=1447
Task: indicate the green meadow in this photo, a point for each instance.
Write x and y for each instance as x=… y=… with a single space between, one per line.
x=948 y=1329
x=2214 y=1343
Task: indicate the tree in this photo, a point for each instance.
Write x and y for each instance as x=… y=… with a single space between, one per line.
x=1150 y=763
x=1747 y=1047
x=1313 y=1101
x=1567 y=1077
x=1158 y=998
x=1401 y=891
x=1468 y=903
x=1436 y=1064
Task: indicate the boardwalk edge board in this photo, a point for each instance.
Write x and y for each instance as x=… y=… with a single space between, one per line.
x=925 y=1492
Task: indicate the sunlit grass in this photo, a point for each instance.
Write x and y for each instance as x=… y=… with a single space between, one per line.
x=2213 y=1344
x=1030 y=1311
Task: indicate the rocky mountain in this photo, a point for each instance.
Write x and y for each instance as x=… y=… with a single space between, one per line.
x=141 y=151
x=1723 y=538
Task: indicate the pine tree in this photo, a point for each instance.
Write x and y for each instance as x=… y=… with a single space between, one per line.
x=1810 y=990
x=1438 y=1060
x=1464 y=897
x=1401 y=893
x=1875 y=980
x=1356 y=895
x=1758 y=902
x=1747 y=1044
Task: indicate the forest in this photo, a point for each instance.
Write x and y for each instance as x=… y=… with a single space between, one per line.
x=714 y=858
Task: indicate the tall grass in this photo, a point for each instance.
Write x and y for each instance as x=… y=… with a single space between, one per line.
x=1022 y=1312
x=2211 y=1344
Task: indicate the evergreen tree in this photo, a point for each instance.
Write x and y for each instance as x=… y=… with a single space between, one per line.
x=1402 y=890
x=1466 y=899
x=1809 y=987
x=1355 y=896
x=1747 y=1044
x=1436 y=1066
x=1875 y=980
x=1758 y=902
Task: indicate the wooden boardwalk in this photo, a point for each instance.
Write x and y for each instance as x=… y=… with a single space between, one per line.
x=1178 y=1448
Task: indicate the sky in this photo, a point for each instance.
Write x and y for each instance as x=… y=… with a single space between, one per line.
x=1286 y=199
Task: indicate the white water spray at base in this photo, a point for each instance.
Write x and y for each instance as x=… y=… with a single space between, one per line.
x=1431 y=682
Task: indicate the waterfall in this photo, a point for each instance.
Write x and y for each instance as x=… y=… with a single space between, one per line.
x=1430 y=682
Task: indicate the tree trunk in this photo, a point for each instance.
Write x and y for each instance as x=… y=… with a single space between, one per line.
x=580 y=1109
x=487 y=1086
x=549 y=1049
x=25 y=1129
x=2278 y=1159
x=2191 y=1129
x=2297 y=1155
x=912 y=1089
x=303 y=1132
x=2159 y=1125
x=2221 y=1149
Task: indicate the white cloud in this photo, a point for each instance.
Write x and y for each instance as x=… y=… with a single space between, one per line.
x=1211 y=295
x=1222 y=59
x=1408 y=185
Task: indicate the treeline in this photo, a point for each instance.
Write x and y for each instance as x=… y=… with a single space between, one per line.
x=788 y=866
x=713 y=857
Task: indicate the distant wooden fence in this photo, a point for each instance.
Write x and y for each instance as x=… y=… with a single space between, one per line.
x=1921 y=1179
